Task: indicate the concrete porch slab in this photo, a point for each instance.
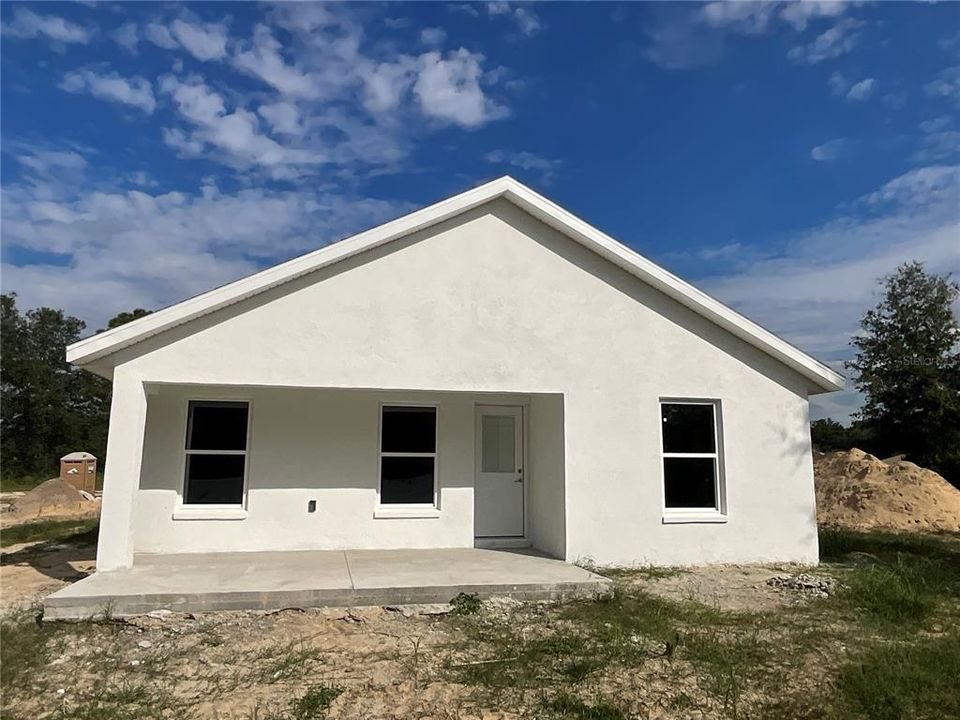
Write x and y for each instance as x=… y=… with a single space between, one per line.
x=305 y=578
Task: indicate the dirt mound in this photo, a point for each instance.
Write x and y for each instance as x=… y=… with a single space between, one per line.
x=51 y=499
x=857 y=490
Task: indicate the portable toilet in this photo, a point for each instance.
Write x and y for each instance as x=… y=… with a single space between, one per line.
x=80 y=470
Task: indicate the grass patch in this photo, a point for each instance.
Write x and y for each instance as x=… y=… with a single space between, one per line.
x=895 y=681
x=466 y=604
x=587 y=639
x=314 y=702
x=904 y=592
x=727 y=662
x=24 y=649
x=638 y=572
x=896 y=580
x=287 y=662
x=513 y=661
x=312 y=705
x=128 y=698
x=78 y=531
x=23 y=483
x=570 y=706
x=838 y=544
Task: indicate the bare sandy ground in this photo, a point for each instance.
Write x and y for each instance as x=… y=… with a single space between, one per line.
x=30 y=571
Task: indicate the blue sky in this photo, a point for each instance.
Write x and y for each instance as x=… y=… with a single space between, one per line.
x=780 y=155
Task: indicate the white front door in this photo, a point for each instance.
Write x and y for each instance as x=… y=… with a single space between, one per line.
x=498 y=494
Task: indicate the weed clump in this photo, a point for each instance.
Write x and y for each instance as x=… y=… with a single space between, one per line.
x=466 y=604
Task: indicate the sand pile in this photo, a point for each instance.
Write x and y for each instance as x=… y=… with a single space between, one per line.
x=50 y=500
x=857 y=490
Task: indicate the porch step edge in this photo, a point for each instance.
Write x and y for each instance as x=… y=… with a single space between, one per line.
x=90 y=607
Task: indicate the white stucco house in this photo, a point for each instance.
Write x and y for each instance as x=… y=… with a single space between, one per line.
x=489 y=371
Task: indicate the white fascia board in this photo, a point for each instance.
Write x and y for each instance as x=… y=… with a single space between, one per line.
x=103 y=344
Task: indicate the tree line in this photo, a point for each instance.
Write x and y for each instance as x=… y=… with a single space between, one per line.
x=47 y=407
x=907 y=365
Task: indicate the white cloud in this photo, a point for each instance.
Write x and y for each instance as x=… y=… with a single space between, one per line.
x=685 y=35
x=919 y=187
x=205 y=41
x=332 y=100
x=128 y=248
x=160 y=36
x=385 y=84
x=937 y=124
x=136 y=91
x=798 y=14
x=263 y=60
x=749 y=18
x=433 y=36
x=939 y=140
x=522 y=14
x=127 y=36
x=946 y=84
x=861 y=91
x=839 y=85
x=43 y=161
x=937 y=146
x=284 y=117
x=814 y=290
x=834 y=42
x=545 y=167
x=830 y=150
x=28 y=24
x=465 y=8
x=236 y=135
x=854 y=92
x=448 y=89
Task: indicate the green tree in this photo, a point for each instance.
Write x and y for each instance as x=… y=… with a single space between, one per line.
x=46 y=410
x=908 y=367
x=828 y=435
x=47 y=407
x=125 y=317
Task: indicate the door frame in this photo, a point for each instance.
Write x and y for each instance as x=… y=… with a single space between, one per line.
x=480 y=409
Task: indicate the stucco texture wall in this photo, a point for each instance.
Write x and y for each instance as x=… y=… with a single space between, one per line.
x=495 y=301
x=322 y=445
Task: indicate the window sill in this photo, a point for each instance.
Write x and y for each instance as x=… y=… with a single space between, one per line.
x=210 y=513
x=406 y=512
x=676 y=518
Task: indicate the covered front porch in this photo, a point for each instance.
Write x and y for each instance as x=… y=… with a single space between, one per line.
x=200 y=469
x=274 y=580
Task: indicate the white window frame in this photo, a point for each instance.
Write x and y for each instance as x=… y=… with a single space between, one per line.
x=213 y=511
x=718 y=513
x=409 y=510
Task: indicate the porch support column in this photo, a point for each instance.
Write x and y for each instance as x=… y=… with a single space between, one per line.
x=121 y=477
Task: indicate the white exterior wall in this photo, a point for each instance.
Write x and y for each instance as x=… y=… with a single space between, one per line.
x=307 y=444
x=495 y=301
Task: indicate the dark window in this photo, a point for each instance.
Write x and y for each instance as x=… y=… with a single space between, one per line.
x=409 y=430
x=215 y=479
x=690 y=458
x=216 y=448
x=406 y=479
x=408 y=447
x=689 y=482
x=688 y=428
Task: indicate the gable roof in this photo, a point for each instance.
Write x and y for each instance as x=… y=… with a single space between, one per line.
x=103 y=344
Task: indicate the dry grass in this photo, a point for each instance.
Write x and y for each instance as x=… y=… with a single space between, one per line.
x=885 y=648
